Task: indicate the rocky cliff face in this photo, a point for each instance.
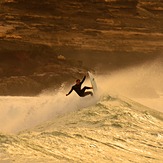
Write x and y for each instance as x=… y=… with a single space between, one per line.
x=40 y=42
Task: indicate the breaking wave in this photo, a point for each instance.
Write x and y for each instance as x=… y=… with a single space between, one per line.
x=112 y=130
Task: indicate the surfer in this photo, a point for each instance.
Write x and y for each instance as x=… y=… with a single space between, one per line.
x=78 y=90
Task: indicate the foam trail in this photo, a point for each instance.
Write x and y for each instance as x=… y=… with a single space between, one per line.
x=20 y=113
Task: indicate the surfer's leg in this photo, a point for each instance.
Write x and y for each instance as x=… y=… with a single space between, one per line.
x=83 y=93
x=83 y=90
x=88 y=93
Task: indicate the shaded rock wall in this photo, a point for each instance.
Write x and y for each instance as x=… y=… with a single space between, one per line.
x=110 y=34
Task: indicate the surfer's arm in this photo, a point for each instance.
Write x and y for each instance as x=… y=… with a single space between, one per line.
x=83 y=80
x=70 y=91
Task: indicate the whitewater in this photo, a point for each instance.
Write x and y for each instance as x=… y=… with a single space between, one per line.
x=110 y=127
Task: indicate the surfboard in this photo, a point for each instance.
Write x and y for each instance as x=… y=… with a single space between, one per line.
x=93 y=82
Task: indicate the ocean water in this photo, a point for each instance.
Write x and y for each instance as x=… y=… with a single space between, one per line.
x=56 y=128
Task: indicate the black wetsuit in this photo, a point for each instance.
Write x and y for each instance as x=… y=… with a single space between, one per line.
x=79 y=91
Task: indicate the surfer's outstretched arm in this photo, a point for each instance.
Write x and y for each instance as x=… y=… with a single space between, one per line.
x=83 y=80
x=70 y=91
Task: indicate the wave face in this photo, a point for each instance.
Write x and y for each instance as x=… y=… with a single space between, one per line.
x=114 y=129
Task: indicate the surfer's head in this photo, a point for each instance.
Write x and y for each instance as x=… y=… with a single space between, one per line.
x=78 y=81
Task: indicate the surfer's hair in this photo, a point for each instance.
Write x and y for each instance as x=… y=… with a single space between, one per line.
x=77 y=80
